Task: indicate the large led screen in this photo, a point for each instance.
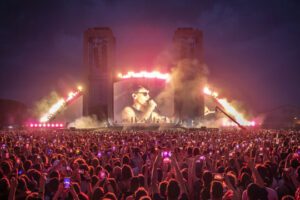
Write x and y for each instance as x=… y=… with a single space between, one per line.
x=142 y=100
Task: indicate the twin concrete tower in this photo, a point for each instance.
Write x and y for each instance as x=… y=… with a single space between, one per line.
x=99 y=61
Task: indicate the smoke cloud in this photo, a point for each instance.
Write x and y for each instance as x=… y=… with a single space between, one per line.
x=187 y=78
x=87 y=123
x=42 y=106
x=210 y=123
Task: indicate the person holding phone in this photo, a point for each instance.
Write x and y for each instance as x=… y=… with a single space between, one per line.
x=63 y=190
x=142 y=109
x=67 y=182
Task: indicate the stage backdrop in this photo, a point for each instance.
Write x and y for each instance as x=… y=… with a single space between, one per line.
x=158 y=92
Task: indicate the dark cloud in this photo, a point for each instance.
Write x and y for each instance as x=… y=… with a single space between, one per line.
x=251 y=47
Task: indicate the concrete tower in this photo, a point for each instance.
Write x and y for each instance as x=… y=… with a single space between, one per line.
x=188 y=57
x=99 y=58
x=188 y=44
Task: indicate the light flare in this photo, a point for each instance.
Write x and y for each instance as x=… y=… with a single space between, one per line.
x=72 y=95
x=79 y=87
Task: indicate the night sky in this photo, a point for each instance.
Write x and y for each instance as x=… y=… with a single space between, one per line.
x=252 y=48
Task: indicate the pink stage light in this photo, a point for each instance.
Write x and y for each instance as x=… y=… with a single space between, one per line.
x=46 y=125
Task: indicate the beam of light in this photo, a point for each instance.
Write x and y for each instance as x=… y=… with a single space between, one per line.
x=53 y=110
x=229 y=109
x=61 y=103
x=145 y=74
x=71 y=96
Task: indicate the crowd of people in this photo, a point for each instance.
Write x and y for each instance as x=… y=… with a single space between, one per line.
x=133 y=165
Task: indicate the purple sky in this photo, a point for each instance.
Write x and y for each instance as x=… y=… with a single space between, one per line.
x=252 y=48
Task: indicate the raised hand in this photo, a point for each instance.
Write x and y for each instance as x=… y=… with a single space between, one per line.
x=13 y=183
x=237 y=194
x=42 y=181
